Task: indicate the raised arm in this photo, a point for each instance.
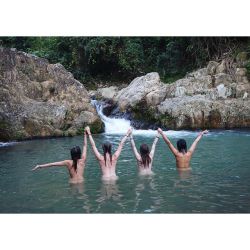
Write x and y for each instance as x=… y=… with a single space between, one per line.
x=193 y=146
x=84 y=149
x=152 y=152
x=168 y=142
x=137 y=155
x=119 y=149
x=52 y=164
x=92 y=142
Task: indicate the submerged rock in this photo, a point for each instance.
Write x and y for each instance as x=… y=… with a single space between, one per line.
x=38 y=99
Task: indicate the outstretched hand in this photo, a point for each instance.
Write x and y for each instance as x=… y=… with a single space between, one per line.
x=35 y=168
x=87 y=130
x=129 y=132
x=160 y=131
x=204 y=132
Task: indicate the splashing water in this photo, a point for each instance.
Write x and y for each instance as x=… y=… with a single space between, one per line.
x=120 y=125
x=112 y=125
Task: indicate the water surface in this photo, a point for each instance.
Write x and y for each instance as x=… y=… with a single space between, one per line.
x=218 y=182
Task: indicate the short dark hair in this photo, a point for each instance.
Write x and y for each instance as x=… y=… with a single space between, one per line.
x=182 y=146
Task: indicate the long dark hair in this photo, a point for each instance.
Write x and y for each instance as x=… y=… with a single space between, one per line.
x=182 y=146
x=107 y=147
x=144 y=150
x=75 y=155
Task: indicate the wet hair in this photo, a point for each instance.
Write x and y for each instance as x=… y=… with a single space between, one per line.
x=75 y=155
x=107 y=147
x=144 y=150
x=182 y=146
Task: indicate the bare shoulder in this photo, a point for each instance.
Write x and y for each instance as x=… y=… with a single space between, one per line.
x=68 y=163
x=81 y=162
x=178 y=154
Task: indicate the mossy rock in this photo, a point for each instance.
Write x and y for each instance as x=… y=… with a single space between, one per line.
x=19 y=136
x=144 y=113
x=72 y=132
x=95 y=128
x=167 y=120
x=5 y=131
x=242 y=56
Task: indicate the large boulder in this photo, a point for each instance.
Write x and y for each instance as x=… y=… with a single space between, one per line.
x=38 y=99
x=107 y=93
x=138 y=89
x=199 y=112
x=214 y=97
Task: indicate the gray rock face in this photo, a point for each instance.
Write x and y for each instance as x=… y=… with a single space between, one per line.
x=38 y=99
x=138 y=89
x=212 y=97
x=107 y=93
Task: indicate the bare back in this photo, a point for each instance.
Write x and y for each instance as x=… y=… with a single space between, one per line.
x=108 y=168
x=183 y=160
x=144 y=170
x=76 y=175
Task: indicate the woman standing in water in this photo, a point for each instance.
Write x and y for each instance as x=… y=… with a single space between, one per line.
x=145 y=158
x=107 y=161
x=75 y=166
x=182 y=156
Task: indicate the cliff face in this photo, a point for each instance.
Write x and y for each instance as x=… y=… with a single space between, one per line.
x=38 y=99
x=213 y=97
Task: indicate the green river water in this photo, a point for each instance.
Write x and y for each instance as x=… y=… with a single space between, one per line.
x=218 y=182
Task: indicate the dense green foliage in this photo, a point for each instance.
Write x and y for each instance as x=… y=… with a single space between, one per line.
x=118 y=58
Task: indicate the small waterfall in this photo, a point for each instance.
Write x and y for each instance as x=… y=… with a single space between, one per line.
x=112 y=125
x=121 y=125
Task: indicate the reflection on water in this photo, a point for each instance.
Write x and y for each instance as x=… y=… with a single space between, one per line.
x=77 y=188
x=184 y=174
x=109 y=196
x=217 y=183
x=146 y=187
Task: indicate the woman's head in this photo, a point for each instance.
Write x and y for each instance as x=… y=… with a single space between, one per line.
x=182 y=146
x=75 y=155
x=107 y=148
x=144 y=151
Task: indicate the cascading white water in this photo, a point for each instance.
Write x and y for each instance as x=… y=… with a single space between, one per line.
x=112 y=125
x=121 y=125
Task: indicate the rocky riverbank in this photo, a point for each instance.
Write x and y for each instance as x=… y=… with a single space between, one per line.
x=213 y=97
x=39 y=99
